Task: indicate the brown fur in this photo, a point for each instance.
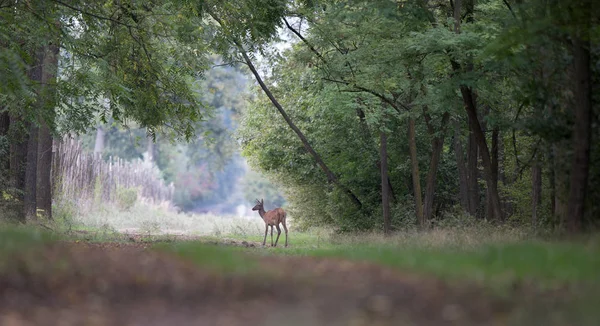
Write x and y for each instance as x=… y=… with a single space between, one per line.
x=272 y=218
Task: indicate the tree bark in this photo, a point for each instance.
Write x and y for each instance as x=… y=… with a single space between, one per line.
x=18 y=155
x=472 y=173
x=536 y=190
x=462 y=170
x=4 y=158
x=44 y=184
x=412 y=141
x=551 y=177
x=99 y=142
x=483 y=147
x=582 y=93
x=29 y=198
x=437 y=146
x=561 y=182
x=385 y=200
x=48 y=96
x=494 y=154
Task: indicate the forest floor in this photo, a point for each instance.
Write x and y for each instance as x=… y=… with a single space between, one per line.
x=142 y=280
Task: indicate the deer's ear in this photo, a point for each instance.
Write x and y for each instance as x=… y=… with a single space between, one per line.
x=262 y=201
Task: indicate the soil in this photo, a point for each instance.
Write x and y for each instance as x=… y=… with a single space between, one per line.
x=81 y=283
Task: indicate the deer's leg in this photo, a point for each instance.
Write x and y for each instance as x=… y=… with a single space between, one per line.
x=271 y=235
x=278 y=234
x=266 y=230
x=286 y=233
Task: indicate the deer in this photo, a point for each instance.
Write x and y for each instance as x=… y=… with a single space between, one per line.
x=272 y=218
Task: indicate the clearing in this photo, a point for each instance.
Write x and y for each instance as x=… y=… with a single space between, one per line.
x=168 y=281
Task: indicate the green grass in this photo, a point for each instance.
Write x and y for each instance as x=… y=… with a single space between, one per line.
x=16 y=238
x=451 y=254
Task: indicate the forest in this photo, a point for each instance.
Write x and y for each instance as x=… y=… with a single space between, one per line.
x=377 y=115
x=441 y=137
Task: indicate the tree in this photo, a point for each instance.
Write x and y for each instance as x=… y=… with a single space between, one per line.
x=128 y=52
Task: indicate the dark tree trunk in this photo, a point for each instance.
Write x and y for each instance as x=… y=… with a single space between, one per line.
x=44 y=185
x=412 y=142
x=44 y=177
x=536 y=190
x=552 y=179
x=4 y=158
x=490 y=212
x=462 y=170
x=472 y=173
x=561 y=181
x=30 y=195
x=29 y=198
x=483 y=148
x=437 y=146
x=385 y=199
x=581 y=134
x=18 y=155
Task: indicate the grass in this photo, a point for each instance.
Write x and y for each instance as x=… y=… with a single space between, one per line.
x=149 y=219
x=491 y=256
x=495 y=258
x=453 y=254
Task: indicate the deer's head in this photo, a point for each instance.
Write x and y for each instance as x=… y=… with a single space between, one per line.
x=259 y=205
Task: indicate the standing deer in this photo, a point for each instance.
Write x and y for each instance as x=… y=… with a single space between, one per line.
x=272 y=218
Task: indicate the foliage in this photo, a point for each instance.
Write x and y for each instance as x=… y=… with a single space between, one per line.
x=361 y=67
x=126 y=198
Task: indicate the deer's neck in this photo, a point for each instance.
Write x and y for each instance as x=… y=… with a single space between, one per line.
x=262 y=213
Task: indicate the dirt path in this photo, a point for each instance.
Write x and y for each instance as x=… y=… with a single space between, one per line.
x=127 y=284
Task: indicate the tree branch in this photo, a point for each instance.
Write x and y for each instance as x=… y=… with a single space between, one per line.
x=310 y=46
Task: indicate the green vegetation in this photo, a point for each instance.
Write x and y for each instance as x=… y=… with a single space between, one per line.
x=490 y=257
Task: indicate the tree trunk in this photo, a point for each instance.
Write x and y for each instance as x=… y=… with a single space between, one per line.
x=18 y=154
x=551 y=177
x=561 y=182
x=44 y=184
x=536 y=191
x=582 y=93
x=385 y=200
x=412 y=141
x=483 y=148
x=490 y=212
x=29 y=198
x=366 y=134
x=150 y=148
x=4 y=151
x=472 y=144
x=472 y=173
x=462 y=170
x=331 y=177
x=99 y=143
x=35 y=73
x=437 y=146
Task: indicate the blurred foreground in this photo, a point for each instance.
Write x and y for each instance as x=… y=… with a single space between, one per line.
x=83 y=278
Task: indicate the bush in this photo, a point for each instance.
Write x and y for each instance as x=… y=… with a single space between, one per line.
x=126 y=198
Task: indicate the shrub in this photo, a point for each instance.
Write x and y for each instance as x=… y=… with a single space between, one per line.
x=126 y=197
